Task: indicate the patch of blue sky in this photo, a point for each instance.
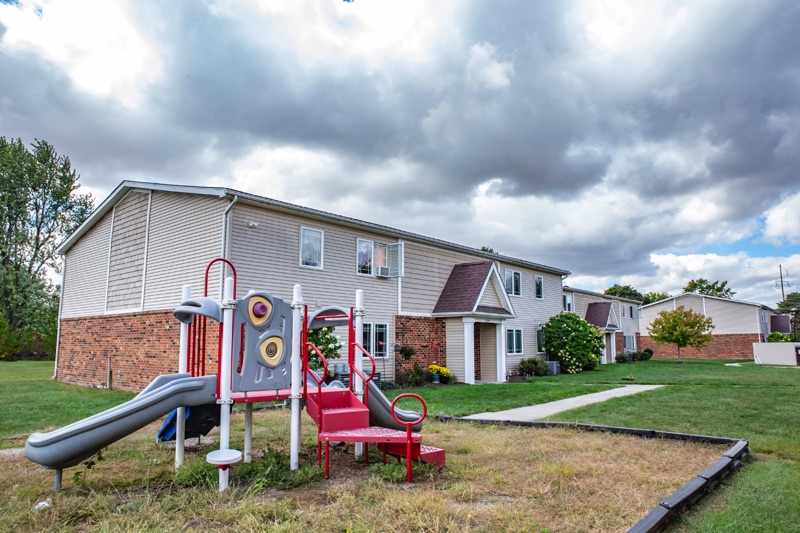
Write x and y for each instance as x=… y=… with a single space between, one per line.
x=751 y=247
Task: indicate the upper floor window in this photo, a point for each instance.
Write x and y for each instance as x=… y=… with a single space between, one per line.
x=378 y=259
x=513 y=282
x=623 y=311
x=632 y=311
x=312 y=242
x=568 y=303
x=539 y=281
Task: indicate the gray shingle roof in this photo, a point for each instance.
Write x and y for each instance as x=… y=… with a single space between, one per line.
x=463 y=288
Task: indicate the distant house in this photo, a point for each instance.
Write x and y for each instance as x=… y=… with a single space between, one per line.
x=617 y=316
x=737 y=325
x=476 y=312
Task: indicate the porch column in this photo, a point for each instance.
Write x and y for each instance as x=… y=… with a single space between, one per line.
x=469 y=351
x=500 y=333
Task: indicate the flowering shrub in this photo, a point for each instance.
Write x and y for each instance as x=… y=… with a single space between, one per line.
x=573 y=341
x=326 y=342
x=436 y=369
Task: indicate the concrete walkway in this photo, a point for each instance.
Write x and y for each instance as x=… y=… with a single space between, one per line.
x=537 y=412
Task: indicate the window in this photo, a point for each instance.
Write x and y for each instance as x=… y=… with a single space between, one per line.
x=623 y=311
x=514 y=341
x=568 y=303
x=312 y=242
x=630 y=343
x=377 y=259
x=513 y=282
x=632 y=311
x=539 y=281
x=376 y=338
x=540 y=339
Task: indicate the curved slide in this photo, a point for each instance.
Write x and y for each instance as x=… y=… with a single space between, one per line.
x=380 y=411
x=68 y=446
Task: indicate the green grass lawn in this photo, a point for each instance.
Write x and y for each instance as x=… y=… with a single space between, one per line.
x=753 y=402
x=33 y=401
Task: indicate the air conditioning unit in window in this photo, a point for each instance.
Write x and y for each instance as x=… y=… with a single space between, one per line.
x=382 y=272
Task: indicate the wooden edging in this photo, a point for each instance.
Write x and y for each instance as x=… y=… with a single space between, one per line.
x=682 y=499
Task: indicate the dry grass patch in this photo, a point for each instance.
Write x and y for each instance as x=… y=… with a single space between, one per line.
x=496 y=479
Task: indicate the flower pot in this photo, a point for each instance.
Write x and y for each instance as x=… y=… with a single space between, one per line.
x=444 y=379
x=435 y=378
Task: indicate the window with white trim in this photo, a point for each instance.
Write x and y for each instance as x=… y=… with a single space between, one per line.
x=623 y=311
x=513 y=282
x=376 y=338
x=379 y=259
x=629 y=343
x=632 y=313
x=539 y=284
x=568 y=303
x=514 y=341
x=312 y=244
x=539 y=339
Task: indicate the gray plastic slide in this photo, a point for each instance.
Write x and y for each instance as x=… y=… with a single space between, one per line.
x=68 y=446
x=380 y=411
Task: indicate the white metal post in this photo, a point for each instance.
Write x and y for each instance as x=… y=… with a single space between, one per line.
x=183 y=358
x=225 y=456
x=297 y=377
x=359 y=359
x=248 y=432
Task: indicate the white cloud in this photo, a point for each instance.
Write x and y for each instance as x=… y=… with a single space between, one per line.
x=486 y=72
x=782 y=222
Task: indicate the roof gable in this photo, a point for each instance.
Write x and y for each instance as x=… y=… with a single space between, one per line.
x=602 y=315
x=473 y=288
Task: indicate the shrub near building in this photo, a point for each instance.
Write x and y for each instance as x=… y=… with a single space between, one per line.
x=573 y=341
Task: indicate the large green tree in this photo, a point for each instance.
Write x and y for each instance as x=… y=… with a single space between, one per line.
x=624 y=291
x=716 y=288
x=654 y=296
x=39 y=206
x=792 y=301
x=681 y=327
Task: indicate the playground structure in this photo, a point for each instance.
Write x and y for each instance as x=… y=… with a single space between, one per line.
x=262 y=357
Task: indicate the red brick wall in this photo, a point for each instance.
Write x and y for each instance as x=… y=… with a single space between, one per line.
x=734 y=346
x=426 y=335
x=619 y=343
x=138 y=346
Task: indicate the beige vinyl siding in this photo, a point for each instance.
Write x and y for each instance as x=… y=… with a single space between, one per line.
x=454 y=328
x=267 y=258
x=733 y=317
x=84 y=288
x=185 y=235
x=490 y=296
x=628 y=326
x=488 y=344
x=530 y=312
x=126 y=263
x=426 y=272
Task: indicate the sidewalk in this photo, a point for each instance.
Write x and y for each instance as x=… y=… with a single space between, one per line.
x=537 y=412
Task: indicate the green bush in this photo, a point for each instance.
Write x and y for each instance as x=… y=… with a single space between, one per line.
x=777 y=336
x=534 y=367
x=573 y=341
x=648 y=352
x=622 y=358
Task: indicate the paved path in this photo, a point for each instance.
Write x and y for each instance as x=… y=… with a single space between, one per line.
x=537 y=412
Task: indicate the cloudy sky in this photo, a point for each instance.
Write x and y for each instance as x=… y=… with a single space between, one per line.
x=643 y=143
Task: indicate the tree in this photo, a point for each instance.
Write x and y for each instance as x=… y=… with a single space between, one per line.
x=573 y=341
x=792 y=301
x=681 y=327
x=39 y=206
x=716 y=288
x=652 y=297
x=624 y=291
x=488 y=249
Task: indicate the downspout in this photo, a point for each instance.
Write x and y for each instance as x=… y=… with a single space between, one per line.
x=224 y=250
x=60 y=306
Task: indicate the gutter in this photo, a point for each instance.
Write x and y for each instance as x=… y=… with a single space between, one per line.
x=60 y=306
x=224 y=241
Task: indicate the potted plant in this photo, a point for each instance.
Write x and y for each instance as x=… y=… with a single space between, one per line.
x=434 y=372
x=407 y=352
x=444 y=374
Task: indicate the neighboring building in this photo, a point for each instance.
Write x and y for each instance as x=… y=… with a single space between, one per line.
x=124 y=268
x=737 y=325
x=619 y=317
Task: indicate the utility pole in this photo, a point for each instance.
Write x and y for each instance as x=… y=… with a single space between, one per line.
x=780 y=271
